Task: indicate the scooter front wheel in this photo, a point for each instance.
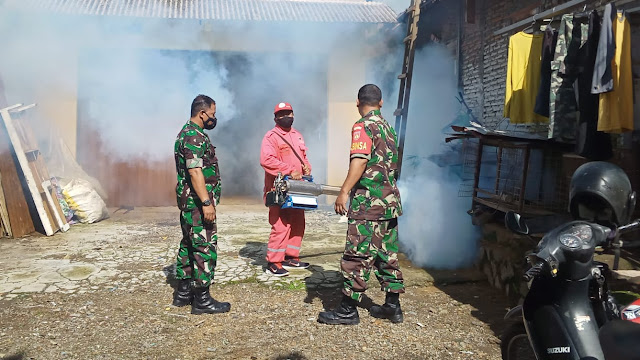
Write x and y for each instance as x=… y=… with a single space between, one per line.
x=515 y=343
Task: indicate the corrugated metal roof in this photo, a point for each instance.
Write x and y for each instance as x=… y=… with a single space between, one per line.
x=240 y=10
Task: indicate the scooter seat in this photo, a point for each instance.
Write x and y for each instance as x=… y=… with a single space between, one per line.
x=620 y=340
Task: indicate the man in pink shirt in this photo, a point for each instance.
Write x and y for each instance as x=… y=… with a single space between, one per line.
x=283 y=151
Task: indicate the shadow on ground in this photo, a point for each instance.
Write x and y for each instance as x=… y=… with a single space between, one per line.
x=490 y=305
x=323 y=285
x=256 y=251
x=170 y=277
x=326 y=285
x=291 y=356
x=18 y=356
x=466 y=286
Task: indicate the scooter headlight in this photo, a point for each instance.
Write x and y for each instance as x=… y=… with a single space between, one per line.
x=575 y=236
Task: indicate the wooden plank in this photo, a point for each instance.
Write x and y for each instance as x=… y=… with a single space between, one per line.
x=36 y=164
x=40 y=172
x=523 y=182
x=32 y=185
x=18 y=209
x=504 y=207
x=488 y=194
x=476 y=173
x=20 y=218
x=497 y=186
x=4 y=215
x=59 y=216
x=405 y=82
x=470 y=12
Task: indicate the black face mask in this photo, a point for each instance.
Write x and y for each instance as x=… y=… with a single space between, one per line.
x=285 y=122
x=210 y=123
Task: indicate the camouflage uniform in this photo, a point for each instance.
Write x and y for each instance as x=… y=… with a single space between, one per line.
x=372 y=233
x=197 y=253
x=569 y=63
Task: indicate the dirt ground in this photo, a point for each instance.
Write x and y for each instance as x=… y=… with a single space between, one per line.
x=103 y=291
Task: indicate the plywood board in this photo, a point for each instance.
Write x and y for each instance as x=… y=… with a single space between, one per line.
x=32 y=185
x=20 y=218
x=4 y=215
x=40 y=173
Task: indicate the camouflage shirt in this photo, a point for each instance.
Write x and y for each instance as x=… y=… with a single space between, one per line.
x=193 y=149
x=375 y=196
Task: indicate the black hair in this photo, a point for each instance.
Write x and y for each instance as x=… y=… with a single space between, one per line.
x=370 y=94
x=201 y=103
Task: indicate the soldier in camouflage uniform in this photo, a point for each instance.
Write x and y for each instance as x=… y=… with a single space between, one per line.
x=198 y=193
x=372 y=233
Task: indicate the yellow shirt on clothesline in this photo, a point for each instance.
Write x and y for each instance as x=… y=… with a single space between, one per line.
x=523 y=78
x=616 y=107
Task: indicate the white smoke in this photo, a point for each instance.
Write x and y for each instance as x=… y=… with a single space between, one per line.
x=134 y=81
x=135 y=110
x=136 y=93
x=435 y=230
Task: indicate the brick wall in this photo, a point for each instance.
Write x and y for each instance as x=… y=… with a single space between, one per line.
x=484 y=62
x=472 y=56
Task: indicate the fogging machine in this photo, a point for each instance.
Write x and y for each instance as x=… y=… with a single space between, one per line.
x=297 y=194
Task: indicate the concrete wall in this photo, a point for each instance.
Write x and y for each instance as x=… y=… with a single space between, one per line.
x=343 y=69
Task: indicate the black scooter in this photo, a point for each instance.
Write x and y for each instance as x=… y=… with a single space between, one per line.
x=568 y=313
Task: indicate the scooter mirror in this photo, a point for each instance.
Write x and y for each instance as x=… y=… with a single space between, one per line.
x=516 y=223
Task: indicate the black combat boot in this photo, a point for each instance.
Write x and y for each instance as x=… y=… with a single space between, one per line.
x=389 y=310
x=345 y=314
x=183 y=294
x=203 y=303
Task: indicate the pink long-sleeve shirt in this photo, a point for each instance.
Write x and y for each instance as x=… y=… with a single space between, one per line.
x=278 y=157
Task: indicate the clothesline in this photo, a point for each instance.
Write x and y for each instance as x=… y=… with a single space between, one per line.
x=556 y=10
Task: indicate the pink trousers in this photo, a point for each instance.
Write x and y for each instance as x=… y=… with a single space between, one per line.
x=287 y=229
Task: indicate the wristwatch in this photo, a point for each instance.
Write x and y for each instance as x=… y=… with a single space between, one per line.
x=206 y=202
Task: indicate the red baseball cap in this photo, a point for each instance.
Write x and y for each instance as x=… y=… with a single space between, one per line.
x=282 y=106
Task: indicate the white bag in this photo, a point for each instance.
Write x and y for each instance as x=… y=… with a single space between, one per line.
x=85 y=201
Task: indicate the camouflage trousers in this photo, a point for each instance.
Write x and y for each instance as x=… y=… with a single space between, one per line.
x=569 y=77
x=371 y=244
x=197 y=255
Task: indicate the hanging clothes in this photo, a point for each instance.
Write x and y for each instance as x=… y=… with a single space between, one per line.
x=616 y=106
x=602 y=79
x=548 y=49
x=590 y=143
x=569 y=63
x=523 y=78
